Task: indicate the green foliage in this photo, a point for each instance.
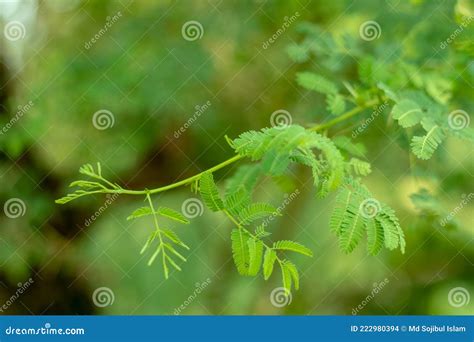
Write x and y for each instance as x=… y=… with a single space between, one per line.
x=240 y=250
x=143 y=211
x=281 y=146
x=288 y=275
x=400 y=88
x=255 y=211
x=268 y=262
x=347 y=145
x=356 y=212
x=162 y=211
x=96 y=184
x=167 y=239
x=210 y=193
x=425 y=146
x=287 y=245
x=273 y=151
x=407 y=112
x=255 y=247
x=394 y=89
x=249 y=251
x=359 y=167
x=288 y=268
x=318 y=83
x=172 y=214
x=245 y=179
x=415 y=93
x=335 y=104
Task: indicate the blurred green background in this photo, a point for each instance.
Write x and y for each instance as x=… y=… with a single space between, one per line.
x=151 y=79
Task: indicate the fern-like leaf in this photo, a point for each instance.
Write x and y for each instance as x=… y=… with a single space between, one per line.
x=335 y=104
x=286 y=276
x=359 y=167
x=343 y=199
x=148 y=243
x=393 y=234
x=293 y=273
x=350 y=219
x=210 y=192
x=255 y=256
x=237 y=201
x=407 y=113
x=143 y=211
x=256 y=211
x=375 y=236
x=240 y=251
x=348 y=145
x=275 y=163
x=268 y=262
x=424 y=147
x=287 y=245
x=318 y=83
x=260 y=231
x=173 y=237
x=172 y=214
x=352 y=228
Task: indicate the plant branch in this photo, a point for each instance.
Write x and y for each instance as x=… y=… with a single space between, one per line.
x=236 y=158
x=115 y=189
x=354 y=111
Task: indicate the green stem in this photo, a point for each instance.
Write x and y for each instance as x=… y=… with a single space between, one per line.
x=198 y=176
x=170 y=186
x=345 y=116
x=227 y=162
x=236 y=158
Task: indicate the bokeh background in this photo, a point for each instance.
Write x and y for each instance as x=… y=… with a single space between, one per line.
x=143 y=71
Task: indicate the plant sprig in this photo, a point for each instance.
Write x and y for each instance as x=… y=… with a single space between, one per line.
x=273 y=150
x=396 y=92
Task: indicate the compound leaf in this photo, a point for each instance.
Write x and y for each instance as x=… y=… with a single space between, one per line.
x=287 y=245
x=210 y=192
